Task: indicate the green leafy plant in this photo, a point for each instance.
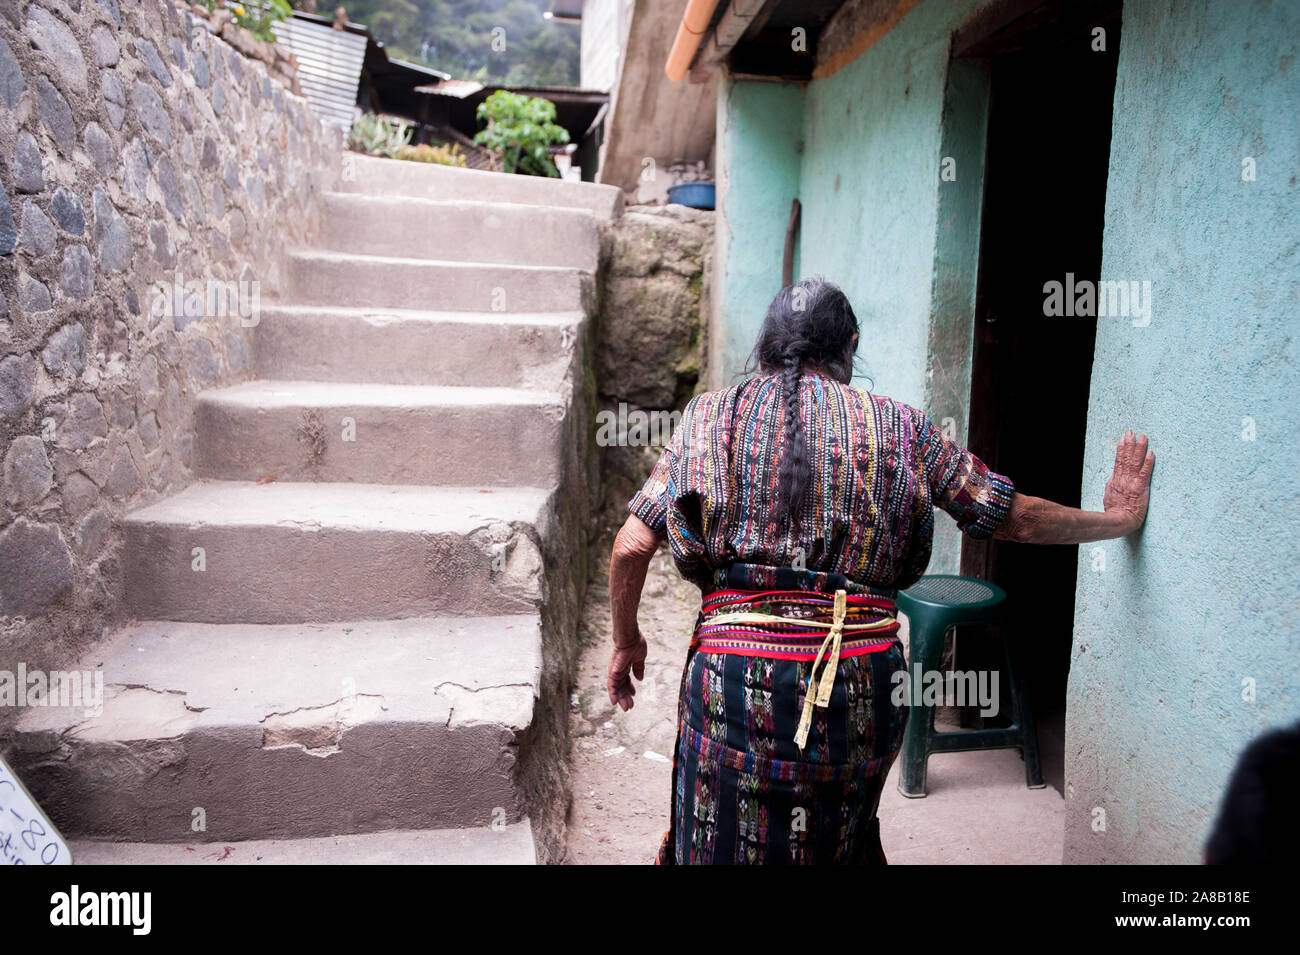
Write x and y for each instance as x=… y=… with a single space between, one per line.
x=255 y=16
x=462 y=37
x=519 y=130
x=389 y=137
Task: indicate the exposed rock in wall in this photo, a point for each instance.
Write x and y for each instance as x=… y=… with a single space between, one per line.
x=651 y=337
x=144 y=160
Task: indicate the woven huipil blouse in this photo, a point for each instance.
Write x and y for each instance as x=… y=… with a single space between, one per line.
x=879 y=468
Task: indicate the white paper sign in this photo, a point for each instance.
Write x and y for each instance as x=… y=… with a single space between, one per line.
x=27 y=837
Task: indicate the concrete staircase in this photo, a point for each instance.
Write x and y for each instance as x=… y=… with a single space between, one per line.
x=352 y=634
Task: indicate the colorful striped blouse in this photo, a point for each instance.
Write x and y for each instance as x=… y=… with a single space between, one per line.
x=879 y=468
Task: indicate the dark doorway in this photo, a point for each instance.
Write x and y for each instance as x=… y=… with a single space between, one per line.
x=1044 y=201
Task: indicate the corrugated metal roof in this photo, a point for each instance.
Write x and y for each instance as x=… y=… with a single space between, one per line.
x=566 y=9
x=329 y=65
x=457 y=88
x=418 y=68
x=574 y=92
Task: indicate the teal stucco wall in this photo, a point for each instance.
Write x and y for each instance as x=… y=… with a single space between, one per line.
x=759 y=148
x=1186 y=636
x=871 y=190
x=955 y=272
x=861 y=149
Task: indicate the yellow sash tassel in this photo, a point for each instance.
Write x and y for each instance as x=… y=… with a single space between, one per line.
x=830 y=648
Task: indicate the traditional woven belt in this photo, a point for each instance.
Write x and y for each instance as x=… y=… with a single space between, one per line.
x=792 y=625
x=740 y=575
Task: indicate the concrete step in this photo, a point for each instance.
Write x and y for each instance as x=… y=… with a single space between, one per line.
x=288 y=731
x=459 y=231
x=288 y=552
x=507 y=845
x=371 y=175
x=404 y=347
x=369 y=281
x=379 y=434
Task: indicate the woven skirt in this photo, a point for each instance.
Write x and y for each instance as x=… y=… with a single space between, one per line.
x=743 y=791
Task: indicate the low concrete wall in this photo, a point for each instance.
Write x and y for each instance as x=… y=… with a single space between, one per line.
x=135 y=149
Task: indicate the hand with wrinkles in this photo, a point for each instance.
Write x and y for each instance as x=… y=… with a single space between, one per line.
x=623 y=665
x=1036 y=520
x=635 y=545
x=1129 y=487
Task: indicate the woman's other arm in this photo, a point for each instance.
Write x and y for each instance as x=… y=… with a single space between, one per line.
x=1034 y=520
x=635 y=544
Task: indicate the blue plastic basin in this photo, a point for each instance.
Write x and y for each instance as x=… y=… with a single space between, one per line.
x=697 y=195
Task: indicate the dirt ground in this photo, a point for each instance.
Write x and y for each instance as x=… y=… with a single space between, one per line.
x=622 y=762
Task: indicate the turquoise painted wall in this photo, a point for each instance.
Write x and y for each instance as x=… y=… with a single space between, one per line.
x=759 y=151
x=955 y=272
x=862 y=150
x=870 y=187
x=1173 y=627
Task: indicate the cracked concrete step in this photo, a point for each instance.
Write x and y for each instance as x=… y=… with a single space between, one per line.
x=508 y=845
x=291 y=730
x=409 y=347
x=380 y=434
x=392 y=177
x=225 y=551
x=459 y=231
x=337 y=278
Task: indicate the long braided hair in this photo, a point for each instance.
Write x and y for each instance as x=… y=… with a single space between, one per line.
x=808 y=323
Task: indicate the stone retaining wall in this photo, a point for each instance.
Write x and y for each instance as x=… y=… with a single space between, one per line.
x=153 y=176
x=651 y=334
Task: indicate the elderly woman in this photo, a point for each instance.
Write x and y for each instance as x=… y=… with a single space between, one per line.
x=800 y=505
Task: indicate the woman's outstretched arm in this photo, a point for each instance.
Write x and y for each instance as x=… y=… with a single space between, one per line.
x=1034 y=520
x=635 y=544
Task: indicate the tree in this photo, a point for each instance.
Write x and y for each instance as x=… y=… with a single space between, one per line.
x=492 y=41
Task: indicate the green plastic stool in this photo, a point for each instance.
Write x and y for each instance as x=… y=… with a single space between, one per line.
x=934 y=605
